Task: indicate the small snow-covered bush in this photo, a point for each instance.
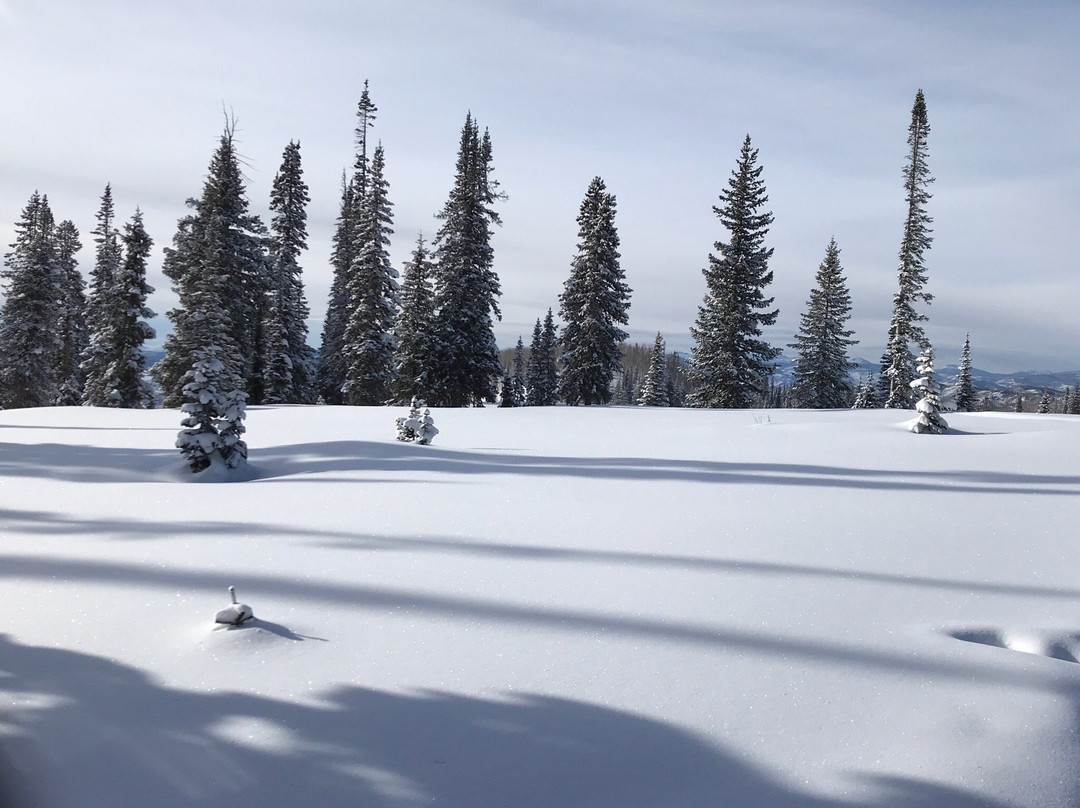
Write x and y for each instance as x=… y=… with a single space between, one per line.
x=418 y=427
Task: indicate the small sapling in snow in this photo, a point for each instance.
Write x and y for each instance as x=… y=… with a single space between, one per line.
x=417 y=427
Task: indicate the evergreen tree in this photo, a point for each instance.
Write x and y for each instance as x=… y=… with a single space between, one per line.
x=1044 y=403
x=288 y=365
x=965 y=394
x=542 y=375
x=125 y=384
x=730 y=362
x=928 y=407
x=626 y=388
x=654 y=392
x=71 y=317
x=898 y=362
x=1019 y=404
x=593 y=303
x=114 y=363
x=330 y=370
x=107 y=257
x=218 y=250
x=507 y=394
x=466 y=286
x=864 y=396
x=29 y=340
x=332 y=365
x=414 y=346
x=1074 y=405
x=519 y=372
x=213 y=403
x=822 y=368
x=368 y=346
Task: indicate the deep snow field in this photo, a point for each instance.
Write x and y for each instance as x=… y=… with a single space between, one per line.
x=546 y=608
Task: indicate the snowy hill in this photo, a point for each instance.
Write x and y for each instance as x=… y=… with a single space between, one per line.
x=548 y=607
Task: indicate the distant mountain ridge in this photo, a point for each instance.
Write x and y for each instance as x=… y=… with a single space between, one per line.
x=1029 y=382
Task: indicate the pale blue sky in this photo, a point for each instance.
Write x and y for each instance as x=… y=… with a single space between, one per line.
x=655 y=97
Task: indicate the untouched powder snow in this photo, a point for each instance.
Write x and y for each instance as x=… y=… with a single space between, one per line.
x=548 y=608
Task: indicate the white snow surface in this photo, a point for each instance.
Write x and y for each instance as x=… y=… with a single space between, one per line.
x=550 y=608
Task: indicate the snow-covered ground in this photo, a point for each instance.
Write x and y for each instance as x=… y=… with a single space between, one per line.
x=547 y=608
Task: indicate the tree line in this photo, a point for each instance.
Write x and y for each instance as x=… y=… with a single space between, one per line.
x=239 y=332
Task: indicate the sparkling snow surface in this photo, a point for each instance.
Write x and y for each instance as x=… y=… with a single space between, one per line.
x=548 y=608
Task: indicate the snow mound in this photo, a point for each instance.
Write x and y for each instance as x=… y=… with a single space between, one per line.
x=1053 y=644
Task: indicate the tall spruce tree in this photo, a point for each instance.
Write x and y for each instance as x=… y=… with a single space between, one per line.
x=466 y=286
x=29 y=339
x=71 y=317
x=124 y=328
x=730 y=363
x=965 y=394
x=518 y=377
x=332 y=363
x=654 y=388
x=414 y=355
x=107 y=256
x=330 y=369
x=288 y=366
x=218 y=250
x=542 y=375
x=368 y=346
x=822 y=368
x=898 y=364
x=593 y=304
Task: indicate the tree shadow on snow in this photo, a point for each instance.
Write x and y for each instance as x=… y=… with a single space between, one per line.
x=294 y=462
x=395 y=461
x=111 y=731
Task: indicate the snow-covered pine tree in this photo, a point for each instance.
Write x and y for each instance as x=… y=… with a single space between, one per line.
x=965 y=394
x=288 y=365
x=466 y=286
x=126 y=326
x=368 y=346
x=414 y=355
x=1018 y=405
x=330 y=368
x=214 y=404
x=865 y=395
x=405 y=425
x=898 y=362
x=219 y=250
x=518 y=378
x=593 y=304
x=1044 y=403
x=332 y=363
x=928 y=407
x=108 y=254
x=822 y=368
x=654 y=391
x=71 y=317
x=730 y=363
x=29 y=341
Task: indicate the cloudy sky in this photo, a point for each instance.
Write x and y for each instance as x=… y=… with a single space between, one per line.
x=655 y=97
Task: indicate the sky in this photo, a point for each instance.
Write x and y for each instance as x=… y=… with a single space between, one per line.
x=654 y=97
